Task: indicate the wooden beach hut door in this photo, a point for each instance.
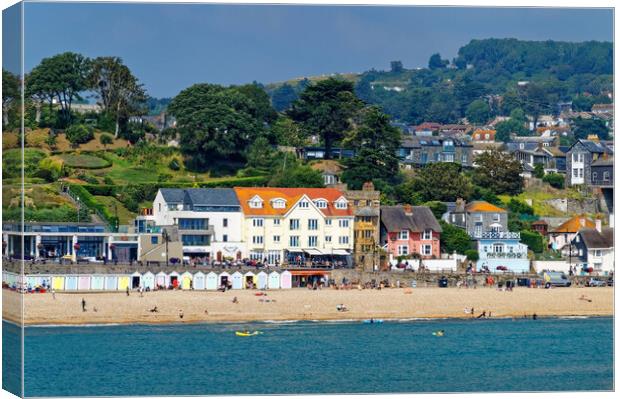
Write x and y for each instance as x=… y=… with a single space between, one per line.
x=97 y=283
x=71 y=283
x=211 y=281
x=186 y=281
x=136 y=280
x=237 y=281
x=249 y=280
x=199 y=281
x=161 y=279
x=148 y=280
x=286 y=280
x=84 y=283
x=111 y=283
x=274 y=280
x=261 y=282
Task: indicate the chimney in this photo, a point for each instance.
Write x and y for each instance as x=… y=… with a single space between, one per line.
x=582 y=221
x=599 y=225
x=460 y=205
x=368 y=186
x=408 y=210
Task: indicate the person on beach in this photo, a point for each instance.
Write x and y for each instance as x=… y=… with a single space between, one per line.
x=180 y=313
x=127 y=291
x=53 y=294
x=83 y=305
x=141 y=291
x=534 y=316
x=154 y=310
x=235 y=300
x=584 y=298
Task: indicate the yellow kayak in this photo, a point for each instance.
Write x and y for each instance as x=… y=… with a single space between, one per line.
x=246 y=334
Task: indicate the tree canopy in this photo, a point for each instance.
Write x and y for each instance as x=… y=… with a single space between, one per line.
x=498 y=172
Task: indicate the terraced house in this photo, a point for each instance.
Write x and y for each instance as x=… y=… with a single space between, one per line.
x=409 y=230
x=417 y=151
x=297 y=225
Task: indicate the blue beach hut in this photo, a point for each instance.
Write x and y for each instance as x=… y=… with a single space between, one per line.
x=71 y=283
x=148 y=280
x=237 y=281
x=111 y=283
x=274 y=280
x=97 y=283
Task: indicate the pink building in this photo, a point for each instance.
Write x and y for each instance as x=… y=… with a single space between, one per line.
x=407 y=230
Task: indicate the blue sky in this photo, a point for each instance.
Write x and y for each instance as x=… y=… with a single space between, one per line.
x=169 y=47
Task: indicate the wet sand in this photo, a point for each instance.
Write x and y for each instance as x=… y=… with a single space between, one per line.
x=303 y=304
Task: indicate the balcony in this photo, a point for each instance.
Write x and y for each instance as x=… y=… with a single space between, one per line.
x=501 y=235
x=505 y=255
x=364 y=226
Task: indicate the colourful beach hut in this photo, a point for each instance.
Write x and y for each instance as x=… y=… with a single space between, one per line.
x=199 y=281
x=237 y=281
x=286 y=280
x=71 y=283
x=148 y=281
x=97 y=283
x=249 y=280
x=173 y=279
x=186 y=281
x=261 y=280
x=274 y=281
x=160 y=279
x=84 y=283
x=58 y=283
x=211 y=281
x=223 y=279
x=45 y=281
x=32 y=282
x=111 y=283
x=123 y=283
x=135 y=280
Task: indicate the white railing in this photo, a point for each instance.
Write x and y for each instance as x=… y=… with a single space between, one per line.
x=502 y=235
x=506 y=255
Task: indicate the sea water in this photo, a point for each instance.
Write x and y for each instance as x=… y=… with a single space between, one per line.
x=548 y=354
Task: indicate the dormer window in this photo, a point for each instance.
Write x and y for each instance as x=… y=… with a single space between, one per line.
x=278 y=203
x=341 y=204
x=256 y=202
x=321 y=204
x=304 y=204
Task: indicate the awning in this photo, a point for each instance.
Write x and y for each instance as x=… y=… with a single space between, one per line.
x=309 y=273
x=313 y=251
x=339 y=252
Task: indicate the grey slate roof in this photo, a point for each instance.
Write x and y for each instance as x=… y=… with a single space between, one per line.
x=395 y=219
x=201 y=196
x=593 y=239
x=604 y=162
x=427 y=141
x=594 y=147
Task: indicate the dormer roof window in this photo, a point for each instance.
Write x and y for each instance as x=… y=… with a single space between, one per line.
x=256 y=202
x=320 y=203
x=278 y=203
x=341 y=203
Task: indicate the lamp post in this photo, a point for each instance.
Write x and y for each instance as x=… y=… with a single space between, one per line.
x=78 y=205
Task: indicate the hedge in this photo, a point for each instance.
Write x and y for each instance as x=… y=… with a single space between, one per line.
x=91 y=202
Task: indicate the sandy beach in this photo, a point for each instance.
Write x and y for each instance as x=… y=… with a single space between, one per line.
x=302 y=304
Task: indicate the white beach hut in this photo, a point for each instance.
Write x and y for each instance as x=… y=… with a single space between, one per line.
x=237 y=281
x=186 y=281
x=71 y=283
x=111 y=283
x=249 y=280
x=32 y=282
x=261 y=280
x=211 y=281
x=274 y=280
x=286 y=280
x=148 y=281
x=160 y=279
x=199 y=281
x=97 y=283
x=84 y=283
x=223 y=279
x=136 y=280
x=173 y=279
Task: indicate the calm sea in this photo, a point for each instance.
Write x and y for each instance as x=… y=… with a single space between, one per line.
x=306 y=357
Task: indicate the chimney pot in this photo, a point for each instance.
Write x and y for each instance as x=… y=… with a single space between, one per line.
x=408 y=210
x=599 y=225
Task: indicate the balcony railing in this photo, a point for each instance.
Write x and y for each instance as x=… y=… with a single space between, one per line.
x=501 y=235
x=506 y=255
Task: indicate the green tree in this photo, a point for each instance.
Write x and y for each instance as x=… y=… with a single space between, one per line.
x=478 y=112
x=396 y=66
x=326 y=108
x=283 y=97
x=520 y=207
x=555 y=180
x=453 y=239
x=215 y=122
x=505 y=129
x=498 y=172
x=435 y=62
x=260 y=154
x=375 y=141
x=472 y=255
x=539 y=171
x=585 y=127
x=288 y=133
x=259 y=99
x=437 y=207
x=297 y=175
x=120 y=93
x=533 y=240
x=442 y=181
x=62 y=77
x=79 y=134
x=11 y=94
x=106 y=140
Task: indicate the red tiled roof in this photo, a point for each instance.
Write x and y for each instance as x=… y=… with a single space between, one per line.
x=291 y=196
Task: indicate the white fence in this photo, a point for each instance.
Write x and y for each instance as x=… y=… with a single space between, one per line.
x=433 y=265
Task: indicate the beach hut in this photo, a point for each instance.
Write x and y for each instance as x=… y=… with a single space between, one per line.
x=71 y=283
x=148 y=281
x=111 y=283
x=211 y=281
x=261 y=280
x=32 y=282
x=286 y=280
x=274 y=281
x=123 y=283
x=84 y=283
x=58 y=283
x=136 y=280
x=223 y=279
x=249 y=280
x=237 y=281
x=186 y=281
x=173 y=279
x=97 y=282
x=160 y=279
x=45 y=281
x=199 y=281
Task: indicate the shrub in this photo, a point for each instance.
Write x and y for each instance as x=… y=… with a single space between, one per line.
x=91 y=202
x=539 y=171
x=108 y=180
x=106 y=139
x=437 y=207
x=472 y=255
x=174 y=164
x=454 y=238
x=555 y=180
x=51 y=169
x=79 y=134
x=533 y=240
x=520 y=207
